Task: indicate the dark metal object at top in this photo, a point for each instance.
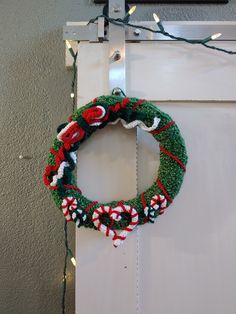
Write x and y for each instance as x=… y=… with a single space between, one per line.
x=105 y=9
x=171 y=1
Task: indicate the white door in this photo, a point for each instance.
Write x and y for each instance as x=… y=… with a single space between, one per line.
x=185 y=262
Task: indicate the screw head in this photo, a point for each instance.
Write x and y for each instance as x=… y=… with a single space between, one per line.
x=116 y=9
x=116 y=91
x=117 y=55
x=137 y=32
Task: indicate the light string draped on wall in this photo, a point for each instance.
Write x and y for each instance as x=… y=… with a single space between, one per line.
x=121 y=22
x=68 y=251
x=74 y=69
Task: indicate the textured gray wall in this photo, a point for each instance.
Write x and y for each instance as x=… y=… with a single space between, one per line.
x=33 y=101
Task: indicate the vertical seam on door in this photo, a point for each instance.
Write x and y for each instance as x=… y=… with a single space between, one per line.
x=137 y=272
x=137 y=238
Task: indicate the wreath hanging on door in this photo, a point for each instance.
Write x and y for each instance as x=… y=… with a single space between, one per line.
x=116 y=215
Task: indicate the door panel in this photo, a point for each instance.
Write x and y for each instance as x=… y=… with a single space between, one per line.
x=184 y=263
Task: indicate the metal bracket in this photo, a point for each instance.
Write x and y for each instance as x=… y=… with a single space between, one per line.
x=81 y=31
x=101 y=29
x=116 y=48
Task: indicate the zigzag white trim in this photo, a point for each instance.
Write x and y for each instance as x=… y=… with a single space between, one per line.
x=138 y=123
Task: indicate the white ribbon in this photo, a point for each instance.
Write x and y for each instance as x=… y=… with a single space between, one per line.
x=138 y=123
x=60 y=171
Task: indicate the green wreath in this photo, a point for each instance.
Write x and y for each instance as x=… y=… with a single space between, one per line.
x=116 y=215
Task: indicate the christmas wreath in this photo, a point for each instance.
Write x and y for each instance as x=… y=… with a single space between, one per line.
x=116 y=215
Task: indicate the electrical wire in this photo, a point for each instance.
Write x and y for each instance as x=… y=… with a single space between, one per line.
x=68 y=251
x=63 y=305
x=73 y=83
x=162 y=31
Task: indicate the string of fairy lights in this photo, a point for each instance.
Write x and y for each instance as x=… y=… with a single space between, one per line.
x=161 y=30
x=125 y=22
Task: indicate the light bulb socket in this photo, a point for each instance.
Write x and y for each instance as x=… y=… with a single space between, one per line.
x=70 y=48
x=70 y=253
x=206 y=40
x=161 y=27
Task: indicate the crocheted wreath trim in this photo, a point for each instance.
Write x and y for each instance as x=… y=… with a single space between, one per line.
x=116 y=215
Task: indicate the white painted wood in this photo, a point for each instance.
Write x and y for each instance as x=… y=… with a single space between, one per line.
x=171 y=71
x=188 y=256
x=185 y=262
x=177 y=71
x=106 y=171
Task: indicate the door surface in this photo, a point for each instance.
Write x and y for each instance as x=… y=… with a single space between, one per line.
x=185 y=262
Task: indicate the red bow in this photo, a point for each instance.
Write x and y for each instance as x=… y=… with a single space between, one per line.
x=94 y=116
x=71 y=134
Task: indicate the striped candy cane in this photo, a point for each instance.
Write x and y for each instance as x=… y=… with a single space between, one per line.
x=158 y=201
x=118 y=239
x=69 y=204
x=79 y=217
x=97 y=223
x=115 y=214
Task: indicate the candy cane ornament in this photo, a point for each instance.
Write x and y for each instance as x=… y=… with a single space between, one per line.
x=115 y=214
x=69 y=204
x=98 y=224
x=118 y=239
x=158 y=202
x=79 y=217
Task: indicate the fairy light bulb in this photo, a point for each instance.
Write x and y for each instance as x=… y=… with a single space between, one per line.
x=212 y=37
x=158 y=21
x=131 y=11
x=72 y=95
x=73 y=261
x=68 y=44
x=156 y=18
x=215 y=36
